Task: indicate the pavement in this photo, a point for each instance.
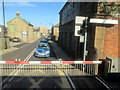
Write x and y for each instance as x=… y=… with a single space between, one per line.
x=60 y=54
x=14 y=46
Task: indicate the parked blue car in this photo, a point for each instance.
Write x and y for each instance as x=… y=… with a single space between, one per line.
x=42 y=50
x=44 y=41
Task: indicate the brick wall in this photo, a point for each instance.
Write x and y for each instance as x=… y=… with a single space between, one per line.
x=111 y=42
x=105 y=43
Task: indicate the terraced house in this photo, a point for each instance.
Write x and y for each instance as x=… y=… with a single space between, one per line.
x=20 y=28
x=102 y=34
x=55 y=32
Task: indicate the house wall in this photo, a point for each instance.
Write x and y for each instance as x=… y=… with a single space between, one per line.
x=43 y=30
x=111 y=43
x=67 y=40
x=55 y=32
x=30 y=34
x=102 y=39
x=19 y=28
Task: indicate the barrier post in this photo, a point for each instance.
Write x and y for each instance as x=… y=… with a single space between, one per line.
x=103 y=68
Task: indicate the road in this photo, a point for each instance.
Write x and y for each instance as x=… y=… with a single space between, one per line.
x=25 y=53
x=34 y=79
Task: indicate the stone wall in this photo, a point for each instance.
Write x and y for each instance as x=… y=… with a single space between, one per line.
x=20 y=27
x=4 y=44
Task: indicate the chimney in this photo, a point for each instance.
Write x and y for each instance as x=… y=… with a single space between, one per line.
x=17 y=14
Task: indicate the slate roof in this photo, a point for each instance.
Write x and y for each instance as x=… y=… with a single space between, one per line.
x=2 y=26
x=56 y=25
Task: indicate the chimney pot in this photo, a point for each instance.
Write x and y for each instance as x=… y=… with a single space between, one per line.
x=17 y=13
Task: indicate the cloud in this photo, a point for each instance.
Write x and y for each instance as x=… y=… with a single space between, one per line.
x=28 y=4
x=19 y=4
x=35 y=0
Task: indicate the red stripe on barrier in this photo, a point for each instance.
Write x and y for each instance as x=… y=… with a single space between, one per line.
x=22 y=62
x=88 y=62
x=45 y=62
x=67 y=62
x=17 y=62
x=11 y=62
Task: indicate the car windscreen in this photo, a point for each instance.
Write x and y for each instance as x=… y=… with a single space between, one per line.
x=42 y=46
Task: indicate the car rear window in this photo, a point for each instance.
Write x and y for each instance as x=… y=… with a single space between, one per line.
x=42 y=46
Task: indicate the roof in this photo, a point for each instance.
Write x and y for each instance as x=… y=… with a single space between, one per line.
x=63 y=7
x=21 y=20
x=56 y=25
x=2 y=26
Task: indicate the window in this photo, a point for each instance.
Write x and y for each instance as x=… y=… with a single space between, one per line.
x=12 y=28
x=42 y=46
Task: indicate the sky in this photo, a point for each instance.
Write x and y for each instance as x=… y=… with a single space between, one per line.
x=37 y=13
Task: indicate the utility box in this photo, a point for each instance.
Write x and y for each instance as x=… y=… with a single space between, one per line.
x=81 y=38
x=115 y=66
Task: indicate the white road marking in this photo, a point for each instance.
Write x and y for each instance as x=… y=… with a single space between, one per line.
x=35 y=84
x=71 y=82
x=24 y=45
x=26 y=59
x=103 y=83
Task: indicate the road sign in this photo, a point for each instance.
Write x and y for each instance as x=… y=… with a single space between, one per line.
x=78 y=24
x=24 y=36
x=24 y=33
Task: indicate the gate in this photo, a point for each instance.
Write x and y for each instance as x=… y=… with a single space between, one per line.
x=48 y=68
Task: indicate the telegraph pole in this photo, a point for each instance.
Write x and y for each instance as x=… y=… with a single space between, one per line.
x=4 y=23
x=3 y=13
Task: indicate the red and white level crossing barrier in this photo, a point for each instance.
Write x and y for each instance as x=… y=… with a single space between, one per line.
x=50 y=62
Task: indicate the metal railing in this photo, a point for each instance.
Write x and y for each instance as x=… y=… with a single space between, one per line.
x=48 y=68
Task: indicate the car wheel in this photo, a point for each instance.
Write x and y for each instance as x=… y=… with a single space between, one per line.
x=35 y=55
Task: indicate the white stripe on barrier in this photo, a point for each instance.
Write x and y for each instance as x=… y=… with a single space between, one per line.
x=34 y=62
x=97 y=62
x=77 y=62
x=2 y=62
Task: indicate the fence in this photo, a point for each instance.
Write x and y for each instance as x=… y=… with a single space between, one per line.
x=48 y=68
